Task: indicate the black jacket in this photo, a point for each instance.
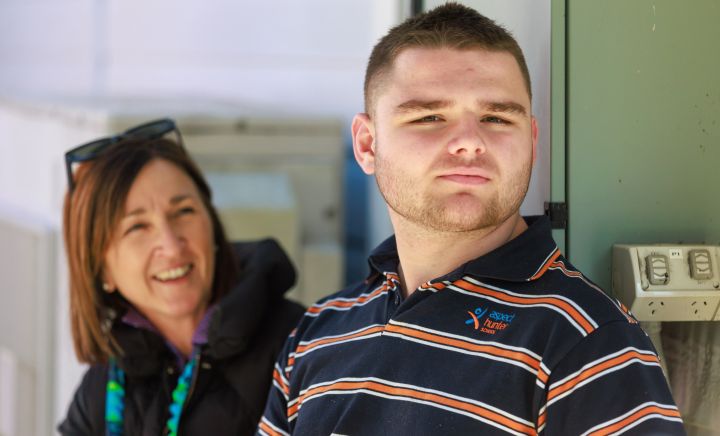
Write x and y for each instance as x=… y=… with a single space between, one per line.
x=246 y=333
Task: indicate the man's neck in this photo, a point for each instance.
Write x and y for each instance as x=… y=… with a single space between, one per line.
x=426 y=254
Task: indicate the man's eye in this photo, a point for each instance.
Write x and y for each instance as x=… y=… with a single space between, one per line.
x=428 y=119
x=495 y=120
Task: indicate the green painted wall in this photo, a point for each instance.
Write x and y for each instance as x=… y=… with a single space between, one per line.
x=642 y=125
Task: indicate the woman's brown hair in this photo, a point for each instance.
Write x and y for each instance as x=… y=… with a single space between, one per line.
x=91 y=213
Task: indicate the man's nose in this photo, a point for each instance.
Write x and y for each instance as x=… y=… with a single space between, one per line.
x=467 y=138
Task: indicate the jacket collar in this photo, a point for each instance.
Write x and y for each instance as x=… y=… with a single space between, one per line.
x=266 y=274
x=523 y=258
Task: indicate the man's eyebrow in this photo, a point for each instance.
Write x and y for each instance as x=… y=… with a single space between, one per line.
x=505 y=106
x=416 y=105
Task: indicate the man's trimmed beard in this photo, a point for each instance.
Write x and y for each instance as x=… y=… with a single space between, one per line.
x=455 y=212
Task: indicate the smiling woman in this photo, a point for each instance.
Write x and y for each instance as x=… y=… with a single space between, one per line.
x=180 y=326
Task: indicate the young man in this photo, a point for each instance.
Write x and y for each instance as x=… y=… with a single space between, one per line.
x=471 y=321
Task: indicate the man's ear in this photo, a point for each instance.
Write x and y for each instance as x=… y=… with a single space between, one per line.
x=363 y=136
x=534 y=129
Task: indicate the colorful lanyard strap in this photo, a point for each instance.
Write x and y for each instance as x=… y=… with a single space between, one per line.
x=115 y=397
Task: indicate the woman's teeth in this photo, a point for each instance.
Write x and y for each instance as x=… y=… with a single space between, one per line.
x=173 y=274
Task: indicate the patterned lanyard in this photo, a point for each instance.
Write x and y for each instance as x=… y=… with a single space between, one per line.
x=115 y=397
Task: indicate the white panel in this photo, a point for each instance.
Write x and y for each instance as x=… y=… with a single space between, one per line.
x=8 y=392
x=27 y=265
x=679 y=297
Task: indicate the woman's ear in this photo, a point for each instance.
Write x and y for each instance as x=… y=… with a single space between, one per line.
x=108 y=284
x=363 y=136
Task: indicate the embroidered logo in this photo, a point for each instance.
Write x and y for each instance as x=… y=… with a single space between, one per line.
x=492 y=323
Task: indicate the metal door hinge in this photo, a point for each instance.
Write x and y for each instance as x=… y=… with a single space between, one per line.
x=558 y=214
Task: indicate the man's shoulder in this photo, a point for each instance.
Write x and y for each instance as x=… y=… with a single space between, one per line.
x=579 y=291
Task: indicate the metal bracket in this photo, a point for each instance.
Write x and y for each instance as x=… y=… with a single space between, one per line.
x=558 y=214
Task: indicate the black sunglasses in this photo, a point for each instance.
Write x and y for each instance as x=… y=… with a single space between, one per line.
x=91 y=150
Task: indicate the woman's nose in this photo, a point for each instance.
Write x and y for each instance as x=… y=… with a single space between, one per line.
x=170 y=242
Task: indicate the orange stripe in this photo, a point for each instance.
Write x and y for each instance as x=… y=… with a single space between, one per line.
x=439 y=285
x=426 y=396
x=318 y=309
x=269 y=430
x=277 y=378
x=314 y=344
x=541 y=419
x=577 y=316
x=543 y=376
x=636 y=416
x=597 y=369
x=457 y=343
x=565 y=270
x=290 y=362
x=547 y=265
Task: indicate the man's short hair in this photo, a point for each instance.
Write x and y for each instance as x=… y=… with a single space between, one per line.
x=448 y=26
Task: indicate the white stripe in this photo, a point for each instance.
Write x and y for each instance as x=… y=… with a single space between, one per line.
x=602 y=360
x=465 y=338
x=332 y=344
x=599 y=375
x=625 y=415
x=557 y=296
x=321 y=307
x=418 y=401
x=593 y=286
x=282 y=376
x=545 y=370
x=279 y=388
x=414 y=387
x=350 y=333
x=544 y=262
x=577 y=326
x=431 y=288
x=645 y=418
x=274 y=427
x=540 y=384
x=491 y=356
x=460 y=350
x=308 y=343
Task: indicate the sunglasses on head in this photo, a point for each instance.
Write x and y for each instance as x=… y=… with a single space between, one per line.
x=88 y=151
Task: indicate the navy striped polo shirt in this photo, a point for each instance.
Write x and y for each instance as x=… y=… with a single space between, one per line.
x=514 y=342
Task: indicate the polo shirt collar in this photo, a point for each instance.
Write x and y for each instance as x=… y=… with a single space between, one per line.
x=524 y=258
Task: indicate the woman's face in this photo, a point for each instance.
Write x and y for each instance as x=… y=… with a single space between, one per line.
x=162 y=257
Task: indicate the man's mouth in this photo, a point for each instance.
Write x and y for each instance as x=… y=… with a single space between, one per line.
x=465 y=179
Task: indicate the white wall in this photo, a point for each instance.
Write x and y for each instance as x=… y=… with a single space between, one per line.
x=307 y=57
x=301 y=57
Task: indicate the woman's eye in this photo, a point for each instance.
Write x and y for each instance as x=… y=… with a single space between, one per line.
x=135 y=227
x=186 y=210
